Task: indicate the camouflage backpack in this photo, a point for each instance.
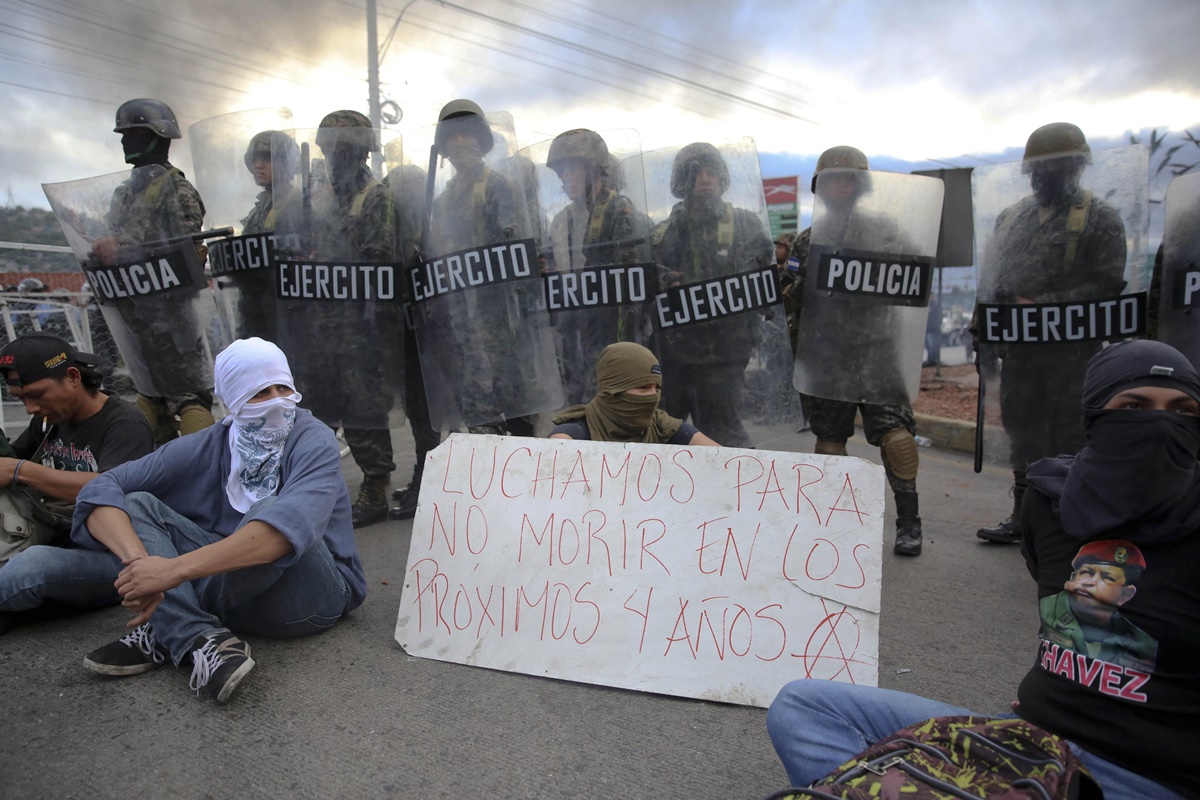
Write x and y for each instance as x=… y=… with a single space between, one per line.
x=959 y=757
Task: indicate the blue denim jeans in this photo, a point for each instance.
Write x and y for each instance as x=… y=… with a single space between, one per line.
x=816 y=726
x=305 y=598
x=66 y=575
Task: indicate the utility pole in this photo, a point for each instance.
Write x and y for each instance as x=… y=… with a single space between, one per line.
x=373 y=82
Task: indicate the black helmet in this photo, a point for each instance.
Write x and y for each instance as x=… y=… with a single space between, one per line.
x=579 y=143
x=470 y=114
x=1055 y=140
x=351 y=127
x=841 y=157
x=276 y=147
x=697 y=154
x=31 y=285
x=153 y=115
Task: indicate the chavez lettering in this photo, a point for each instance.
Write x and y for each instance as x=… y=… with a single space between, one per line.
x=1110 y=679
x=596 y=287
x=892 y=279
x=720 y=297
x=1052 y=323
x=472 y=269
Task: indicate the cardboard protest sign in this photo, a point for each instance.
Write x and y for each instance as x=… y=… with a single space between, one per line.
x=713 y=573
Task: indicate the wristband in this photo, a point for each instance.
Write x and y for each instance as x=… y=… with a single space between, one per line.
x=17 y=471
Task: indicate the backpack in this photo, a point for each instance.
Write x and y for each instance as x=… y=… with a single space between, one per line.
x=971 y=758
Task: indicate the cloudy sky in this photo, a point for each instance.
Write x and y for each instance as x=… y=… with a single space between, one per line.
x=927 y=82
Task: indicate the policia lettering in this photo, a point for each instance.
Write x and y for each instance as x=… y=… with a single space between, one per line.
x=165 y=271
x=254 y=251
x=468 y=269
x=717 y=298
x=596 y=287
x=1187 y=289
x=895 y=280
x=1048 y=323
x=345 y=282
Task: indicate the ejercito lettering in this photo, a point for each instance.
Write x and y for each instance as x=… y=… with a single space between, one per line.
x=1051 y=323
x=720 y=297
x=254 y=251
x=595 y=287
x=353 y=283
x=473 y=269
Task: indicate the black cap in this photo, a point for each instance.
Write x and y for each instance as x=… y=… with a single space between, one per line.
x=1140 y=362
x=41 y=355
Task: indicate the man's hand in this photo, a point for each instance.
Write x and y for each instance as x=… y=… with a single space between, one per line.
x=143 y=607
x=106 y=250
x=146 y=576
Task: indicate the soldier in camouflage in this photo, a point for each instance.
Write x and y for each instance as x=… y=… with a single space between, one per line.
x=1059 y=244
x=148 y=206
x=704 y=237
x=478 y=207
x=888 y=427
x=353 y=217
x=600 y=227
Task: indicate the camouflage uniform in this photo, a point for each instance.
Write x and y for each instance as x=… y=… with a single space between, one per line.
x=1028 y=260
x=704 y=364
x=158 y=202
x=257 y=307
x=611 y=232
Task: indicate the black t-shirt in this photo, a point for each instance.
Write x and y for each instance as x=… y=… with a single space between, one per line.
x=1127 y=687
x=116 y=433
x=578 y=429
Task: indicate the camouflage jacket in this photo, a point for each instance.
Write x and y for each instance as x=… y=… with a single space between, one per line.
x=612 y=231
x=358 y=222
x=476 y=211
x=157 y=202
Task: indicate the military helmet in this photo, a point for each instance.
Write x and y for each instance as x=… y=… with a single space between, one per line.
x=457 y=109
x=351 y=127
x=786 y=239
x=579 y=143
x=1056 y=139
x=276 y=147
x=841 y=157
x=697 y=154
x=153 y=115
x=31 y=285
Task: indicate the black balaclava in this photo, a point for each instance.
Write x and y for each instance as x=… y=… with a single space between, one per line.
x=1138 y=467
x=143 y=147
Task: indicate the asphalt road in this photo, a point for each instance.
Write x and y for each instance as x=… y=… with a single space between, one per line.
x=349 y=714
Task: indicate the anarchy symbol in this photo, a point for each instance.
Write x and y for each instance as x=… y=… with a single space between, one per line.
x=832 y=647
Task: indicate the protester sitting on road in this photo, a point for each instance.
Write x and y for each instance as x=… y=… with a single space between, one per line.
x=1128 y=502
x=625 y=408
x=75 y=432
x=243 y=526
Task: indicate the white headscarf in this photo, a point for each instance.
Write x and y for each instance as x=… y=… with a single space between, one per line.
x=259 y=430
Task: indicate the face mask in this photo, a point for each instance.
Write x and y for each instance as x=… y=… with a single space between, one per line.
x=268 y=416
x=634 y=411
x=464 y=155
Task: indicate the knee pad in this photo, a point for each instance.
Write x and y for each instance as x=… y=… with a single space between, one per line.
x=900 y=455
x=825 y=447
x=194 y=418
x=146 y=406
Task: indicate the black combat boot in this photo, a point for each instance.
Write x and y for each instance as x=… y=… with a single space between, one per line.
x=1009 y=531
x=908 y=525
x=406 y=500
x=371 y=505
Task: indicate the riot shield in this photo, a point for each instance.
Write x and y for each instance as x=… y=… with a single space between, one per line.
x=1060 y=251
x=595 y=256
x=1179 y=291
x=483 y=332
x=133 y=238
x=235 y=157
x=716 y=286
x=339 y=285
x=866 y=278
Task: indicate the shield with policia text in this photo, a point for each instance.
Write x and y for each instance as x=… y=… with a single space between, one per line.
x=867 y=277
x=138 y=249
x=338 y=278
x=1179 y=291
x=597 y=272
x=1060 y=249
x=483 y=332
x=234 y=158
x=716 y=287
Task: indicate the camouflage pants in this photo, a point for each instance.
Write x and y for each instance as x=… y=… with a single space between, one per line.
x=416 y=406
x=833 y=421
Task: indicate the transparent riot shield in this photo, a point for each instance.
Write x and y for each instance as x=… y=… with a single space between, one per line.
x=483 y=332
x=1060 y=251
x=595 y=255
x=133 y=237
x=235 y=157
x=716 y=289
x=339 y=286
x=1179 y=289
x=866 y=278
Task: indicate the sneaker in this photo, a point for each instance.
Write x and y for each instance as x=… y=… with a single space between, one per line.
x=220 y=663
x=1007 y=532
x=8 y=619
x=406 y=505
x=133 y=654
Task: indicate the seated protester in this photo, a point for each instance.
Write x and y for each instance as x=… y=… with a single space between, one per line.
x=75 y=432
x=243 y=526
x=1117 y=672
x=625 y=408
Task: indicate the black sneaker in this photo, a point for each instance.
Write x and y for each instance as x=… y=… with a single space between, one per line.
x=220 y=663
x=1007 y=532
x=130 y=655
